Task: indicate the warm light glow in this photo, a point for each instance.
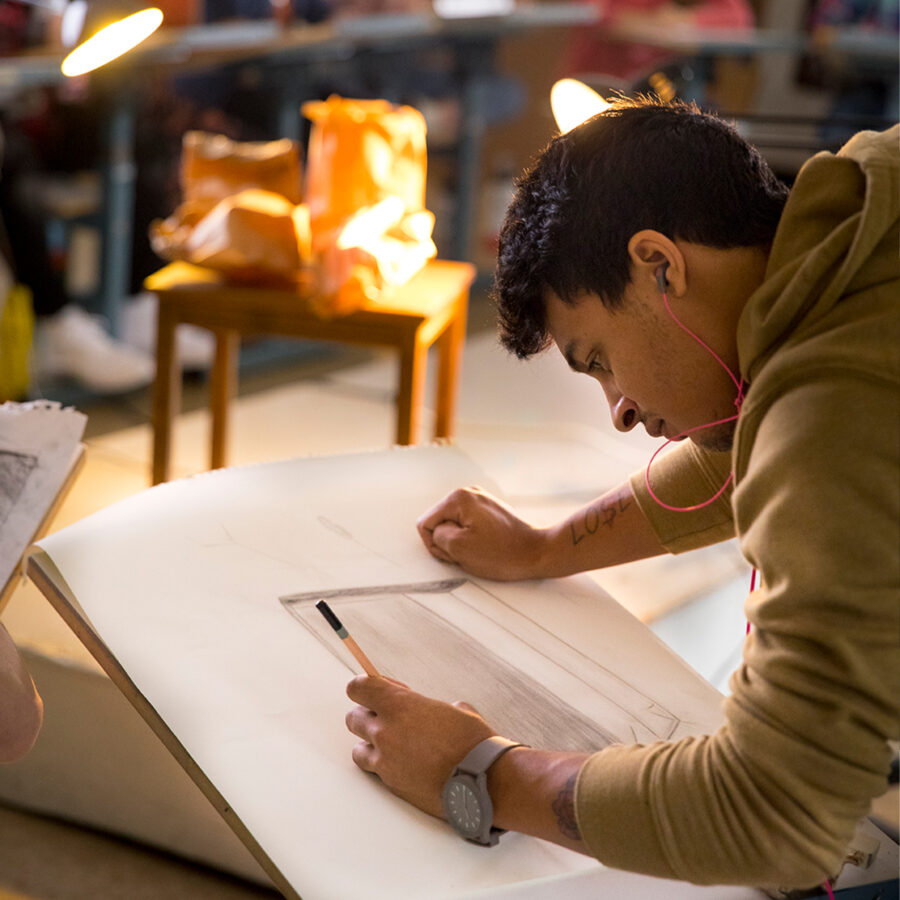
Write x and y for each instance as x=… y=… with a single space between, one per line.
x=369 y=225
x=386 y=236
x=573 y=102
x=472 y=9
x=112 y=41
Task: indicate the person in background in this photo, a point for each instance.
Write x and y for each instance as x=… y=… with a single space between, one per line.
x=596 y=51
x=69 y=342
x=864 y=91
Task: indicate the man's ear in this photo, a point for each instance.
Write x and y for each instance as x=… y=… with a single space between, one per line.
x=650 y=252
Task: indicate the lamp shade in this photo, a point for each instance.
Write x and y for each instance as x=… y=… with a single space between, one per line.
x=574 y=102
x=104 y=30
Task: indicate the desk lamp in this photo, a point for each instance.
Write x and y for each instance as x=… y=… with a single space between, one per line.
x=101 y=29
x=104 y=31
x=574 y=102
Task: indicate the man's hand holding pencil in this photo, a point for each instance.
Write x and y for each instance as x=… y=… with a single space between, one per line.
x=411 y=742
x=396 y=725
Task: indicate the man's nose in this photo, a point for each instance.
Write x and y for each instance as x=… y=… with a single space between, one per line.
x=624 y=413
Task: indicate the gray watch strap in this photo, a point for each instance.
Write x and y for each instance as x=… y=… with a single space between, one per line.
x=482 y=756
x=473 y=768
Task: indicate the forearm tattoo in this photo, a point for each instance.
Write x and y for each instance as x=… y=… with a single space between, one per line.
x=564 y=809
x=600 y=514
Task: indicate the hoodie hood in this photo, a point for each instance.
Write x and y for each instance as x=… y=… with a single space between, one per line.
x=842 y=214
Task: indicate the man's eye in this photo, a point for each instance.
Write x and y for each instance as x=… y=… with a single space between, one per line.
x=596 y=367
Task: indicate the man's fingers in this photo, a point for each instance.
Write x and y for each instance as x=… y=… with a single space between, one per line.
x=446 y=509
x=427 y=536
x=444 y=535
x=453 y=508
x=364 y=755
x=439 y=554
x=359 y=721
x=371 y=691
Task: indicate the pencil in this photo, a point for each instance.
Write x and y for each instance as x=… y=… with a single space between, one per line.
x=344 y=635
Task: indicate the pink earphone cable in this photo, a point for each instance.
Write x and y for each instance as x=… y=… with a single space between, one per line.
x=738 y=401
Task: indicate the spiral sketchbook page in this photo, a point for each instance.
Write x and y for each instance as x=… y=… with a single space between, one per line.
x=203 y=589
x=40 y=446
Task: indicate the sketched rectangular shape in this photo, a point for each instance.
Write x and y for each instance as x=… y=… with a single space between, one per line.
x=408 y=641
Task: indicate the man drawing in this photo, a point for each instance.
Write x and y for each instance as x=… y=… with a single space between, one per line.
x=759 y=330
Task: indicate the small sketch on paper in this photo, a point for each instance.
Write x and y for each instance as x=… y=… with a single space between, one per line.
x=336 y=528
x=228 y=540
x=15 y=469
x=325 y=522
x=456 y=640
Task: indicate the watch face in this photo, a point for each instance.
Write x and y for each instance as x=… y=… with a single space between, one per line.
x=463 y=808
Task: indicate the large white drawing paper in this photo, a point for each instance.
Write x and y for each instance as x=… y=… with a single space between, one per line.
x=39 y=442
x=203 y=590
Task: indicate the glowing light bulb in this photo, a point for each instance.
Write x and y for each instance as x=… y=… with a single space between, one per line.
x=573 y=102
x=112 y=41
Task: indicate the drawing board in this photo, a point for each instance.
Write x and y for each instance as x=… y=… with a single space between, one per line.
x=196 y=597
x=40 y=454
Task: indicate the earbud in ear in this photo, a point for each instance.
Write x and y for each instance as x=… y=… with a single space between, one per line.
x=661 y=282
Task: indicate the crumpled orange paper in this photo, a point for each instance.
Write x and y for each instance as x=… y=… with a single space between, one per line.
x=252 y=235
x=214 y=167
x=362 y=226
x=241 y=212
x=365 y=187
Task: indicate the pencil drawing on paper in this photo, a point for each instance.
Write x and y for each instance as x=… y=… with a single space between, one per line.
x=455 y=639
x=15 y=469
x=335 y=528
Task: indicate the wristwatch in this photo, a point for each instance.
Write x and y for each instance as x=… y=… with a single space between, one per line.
x=467 y=804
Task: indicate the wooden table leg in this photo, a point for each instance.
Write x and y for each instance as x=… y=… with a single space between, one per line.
x=413 y=362
x=450 y=347
x=166 y=392
x=222 y=389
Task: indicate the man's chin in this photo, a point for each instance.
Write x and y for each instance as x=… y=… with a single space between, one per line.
x=717 y=440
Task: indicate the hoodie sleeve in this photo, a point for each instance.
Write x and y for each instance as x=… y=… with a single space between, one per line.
x=686 y=476
x=772 y=799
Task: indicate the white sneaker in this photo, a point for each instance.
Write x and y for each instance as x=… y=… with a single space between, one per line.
x=195 y=347
x=74 y=344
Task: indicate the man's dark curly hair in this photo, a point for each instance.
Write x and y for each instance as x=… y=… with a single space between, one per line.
x=641 y=163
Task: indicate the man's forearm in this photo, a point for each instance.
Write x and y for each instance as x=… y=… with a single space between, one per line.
x=609 y=531
x=533 y=791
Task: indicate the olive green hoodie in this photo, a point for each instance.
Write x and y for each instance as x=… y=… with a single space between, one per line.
x=773 y=797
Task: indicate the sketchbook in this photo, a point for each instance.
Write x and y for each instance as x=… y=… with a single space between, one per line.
x=197 y=596
x=40 y=454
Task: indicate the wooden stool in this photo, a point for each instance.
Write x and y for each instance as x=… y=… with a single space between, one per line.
x=431 y=307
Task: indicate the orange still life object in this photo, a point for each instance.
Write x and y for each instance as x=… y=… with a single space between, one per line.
x=365 y=188
x=361 y=152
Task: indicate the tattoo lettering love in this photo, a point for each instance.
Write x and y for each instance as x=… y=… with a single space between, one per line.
x=601 y=514
x=564 y=809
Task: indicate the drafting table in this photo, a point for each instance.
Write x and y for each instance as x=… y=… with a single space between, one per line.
x=195 y=598
x=211 y=575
